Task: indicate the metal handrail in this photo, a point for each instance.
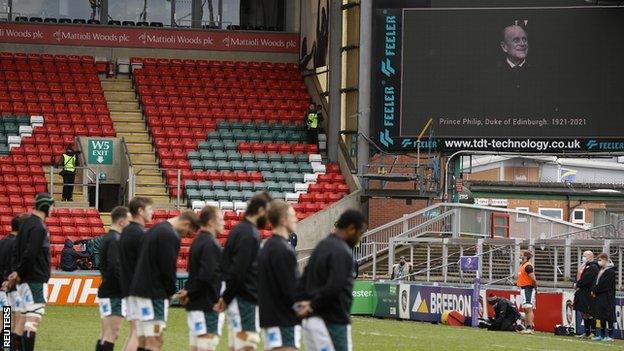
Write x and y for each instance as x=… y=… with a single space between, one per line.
x=566 y=235
x=85 y=185
x=451 y=263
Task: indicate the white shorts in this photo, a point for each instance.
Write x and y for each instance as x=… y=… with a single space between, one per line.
x=4 y=299
x=15 y=301
x=33 y=299
x=204 y=322
x=112 y=307
x=243 y=316
x=318 y=337
x=278 y=337
x=527 y=297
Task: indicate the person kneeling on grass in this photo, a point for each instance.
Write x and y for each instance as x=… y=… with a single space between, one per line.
x=506 y=316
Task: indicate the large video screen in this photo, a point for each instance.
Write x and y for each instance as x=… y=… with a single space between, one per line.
x=526 y=72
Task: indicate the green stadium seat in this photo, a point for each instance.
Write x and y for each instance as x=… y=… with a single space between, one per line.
x=208 y=195
x=216 y=135
x=196 y=164
x=296 y=177
x=190 y=184
x=264 y=126
x=292 y=167
x=8 y=119
x=240 y=136
x=269 y=176
x=204 y=145
x=193 y=155
x=288 y=158
x=230 y=145
x=302 y=158
x=226 y=135
x=273 y=186
x=23 y=120
x=222 y=195
x=235 y=126
x=236 y=195
x=278 y=195
x=4 y=150
x=259 y=186
x=262 y=157
x=11 y=128
x=216 y=145
x=250 y=166
x=220 y=155
x=305 y=168
x=246 y=186
x=253 y=136
x=247 y=195
x=282 y=176
x=275 y=158
x=193 y=194
x=282 y=138
x=264 y=166
x=206 y=155
x=210 y=165
x=218 y=185
x=233 y=156
x=223 y=125
x=231 y=185
x=237 y=166
x=247 y=156
x=204 y=185
x=278 y=167
x=287 y=187
x=223 y=166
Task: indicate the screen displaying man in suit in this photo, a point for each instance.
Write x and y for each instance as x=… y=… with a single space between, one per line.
x=515 y=45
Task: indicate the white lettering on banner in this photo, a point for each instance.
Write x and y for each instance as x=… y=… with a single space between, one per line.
x=57 y=284
x=450 y=302
x=87 y=290
x=73 y=293
x=27 y=34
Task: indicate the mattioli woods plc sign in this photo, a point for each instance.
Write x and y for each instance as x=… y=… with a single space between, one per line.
x=146 y=37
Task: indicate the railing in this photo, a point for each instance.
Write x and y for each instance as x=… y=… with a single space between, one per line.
x=468 y=220
x=178 y=185
x=90 y=179
x=605 y=231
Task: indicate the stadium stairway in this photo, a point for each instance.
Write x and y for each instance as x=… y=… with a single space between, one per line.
x=129 y=124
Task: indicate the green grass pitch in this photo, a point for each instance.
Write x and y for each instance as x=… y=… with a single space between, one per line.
x=77 y=328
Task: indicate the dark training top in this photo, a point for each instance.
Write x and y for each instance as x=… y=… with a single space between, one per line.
x=129 y=249
x=327 y=281
x=277 y=281
x=109 y=266
x=7 y=247
x=155 y=274
x=32 y=251
x=204 y=283
x=239 y=267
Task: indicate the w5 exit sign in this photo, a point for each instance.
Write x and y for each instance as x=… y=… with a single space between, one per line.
x=100 y=152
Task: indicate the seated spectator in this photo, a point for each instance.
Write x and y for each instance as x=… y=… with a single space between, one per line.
x=292 y=239
x=401 y=270
x=72 y=260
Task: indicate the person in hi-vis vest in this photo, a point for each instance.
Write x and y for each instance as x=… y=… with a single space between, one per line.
x=313 y=120
x=68 y=163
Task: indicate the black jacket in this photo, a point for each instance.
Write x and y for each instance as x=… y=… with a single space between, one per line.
x=204 y=283
x=505 y=316
x=327 y=281
x=109 y=266
x=155 y=274
x=603 y=305
x=239 y=267
x=130 y=243
x=69 y=257
x=7 y=247
x=277 y=281
x=32 y=251
x=582 y=296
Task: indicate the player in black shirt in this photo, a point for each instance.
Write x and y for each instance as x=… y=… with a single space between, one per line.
x=154 y=281
x=10 y=297
x=203 y=286
x=109 y=292
x=277 y=280
x=240 y=274
x=129 y=247
x=31 y=263
x=326 y=287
